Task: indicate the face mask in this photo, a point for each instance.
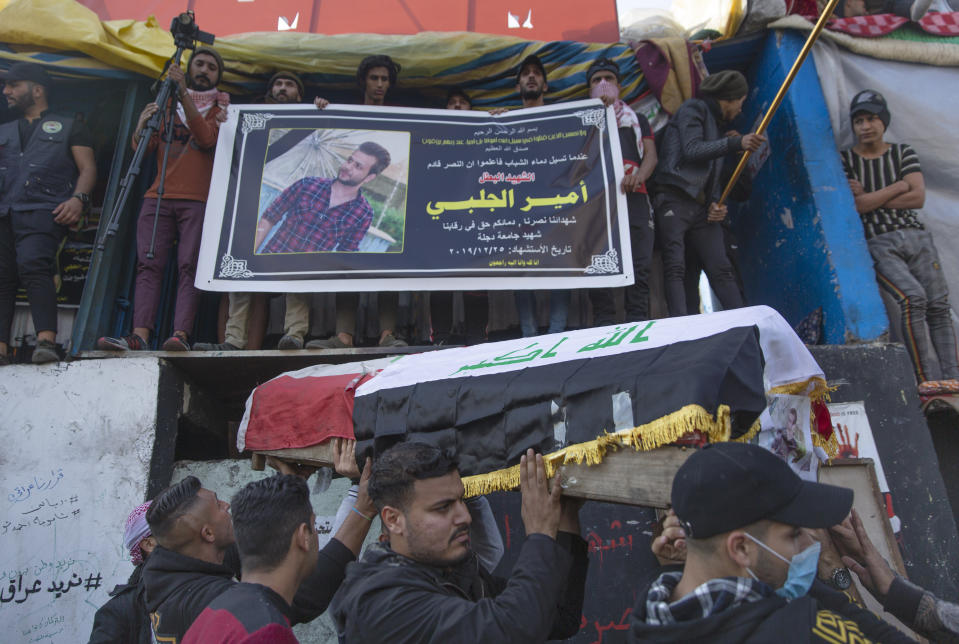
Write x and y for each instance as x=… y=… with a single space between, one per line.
x=802 y=569
x=604 y=88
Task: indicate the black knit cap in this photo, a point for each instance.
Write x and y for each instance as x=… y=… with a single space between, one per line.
x=283 y=73
x=533 y=60
x=602 y=65
x=209 y=51
x=727 y=85
x=726 y=486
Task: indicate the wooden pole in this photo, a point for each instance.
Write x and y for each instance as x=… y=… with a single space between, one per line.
x=810 y=41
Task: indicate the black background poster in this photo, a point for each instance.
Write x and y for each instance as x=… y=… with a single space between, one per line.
x=527 y=199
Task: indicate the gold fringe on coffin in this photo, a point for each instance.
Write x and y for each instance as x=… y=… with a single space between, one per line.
x=657 y=433
x=750 y=433
x=831 y=446
x=816 y=388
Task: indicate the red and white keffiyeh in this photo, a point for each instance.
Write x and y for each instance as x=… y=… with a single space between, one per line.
x=204 y=102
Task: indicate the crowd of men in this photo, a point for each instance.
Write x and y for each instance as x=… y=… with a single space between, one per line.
x=738 y=566
x=672 y=189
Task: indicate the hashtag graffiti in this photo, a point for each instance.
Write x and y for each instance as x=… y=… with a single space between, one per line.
x=93 y=582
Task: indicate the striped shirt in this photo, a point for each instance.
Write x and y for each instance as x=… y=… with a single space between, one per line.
x=881 y=172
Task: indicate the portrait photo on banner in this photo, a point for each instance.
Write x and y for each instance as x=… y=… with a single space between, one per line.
x=333 y=190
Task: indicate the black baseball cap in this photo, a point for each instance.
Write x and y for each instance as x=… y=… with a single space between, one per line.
x=27 y=72
x=533 y=60
x=871 y=101
x=726 y=486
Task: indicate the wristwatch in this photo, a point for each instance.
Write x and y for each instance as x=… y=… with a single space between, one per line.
x=840 y=579
x=84 y=199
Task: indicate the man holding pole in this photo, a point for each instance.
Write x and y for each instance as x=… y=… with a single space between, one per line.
x=689 y=180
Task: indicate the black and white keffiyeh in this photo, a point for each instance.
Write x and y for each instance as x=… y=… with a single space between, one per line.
x=713 y=597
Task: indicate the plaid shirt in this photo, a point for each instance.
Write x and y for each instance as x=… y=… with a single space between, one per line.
x=311 y=225
x=713 y=597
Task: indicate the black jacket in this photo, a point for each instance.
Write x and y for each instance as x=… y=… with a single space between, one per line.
x=387 y=597
x=123 y=619
x=824 y=615
x=692 y=149
x=178 y=588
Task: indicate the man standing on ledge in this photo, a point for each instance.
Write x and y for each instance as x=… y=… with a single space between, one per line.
x=324 y=214
x=284 y=87
x=887 y=184
x=689 y=185
x=196 y=127
x=47 y=171
x=532 y=87
x=375 y=76
x=639 y=160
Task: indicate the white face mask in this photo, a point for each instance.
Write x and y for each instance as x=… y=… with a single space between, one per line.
x=802 y=569
x=604 y=88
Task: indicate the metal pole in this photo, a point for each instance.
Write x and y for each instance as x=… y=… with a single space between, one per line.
x=810 y=41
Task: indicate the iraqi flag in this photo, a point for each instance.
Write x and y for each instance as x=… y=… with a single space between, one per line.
x=575 y=395
x=302 y=408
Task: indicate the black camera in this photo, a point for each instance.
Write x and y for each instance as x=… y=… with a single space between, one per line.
x=185 y=32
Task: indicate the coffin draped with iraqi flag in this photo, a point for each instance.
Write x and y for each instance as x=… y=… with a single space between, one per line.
x=571 y=396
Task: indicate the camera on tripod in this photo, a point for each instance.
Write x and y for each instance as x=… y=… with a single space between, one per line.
x=185 y=32
x=185 y=35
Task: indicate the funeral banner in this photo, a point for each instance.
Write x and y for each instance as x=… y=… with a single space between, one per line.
x=360 y=198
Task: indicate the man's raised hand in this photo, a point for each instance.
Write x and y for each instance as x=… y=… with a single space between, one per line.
x=670 y=546
x=861 y=556
x=752 y=142
x=344 y=458
x=541 y=507
x=716 y=213
x=363 y=501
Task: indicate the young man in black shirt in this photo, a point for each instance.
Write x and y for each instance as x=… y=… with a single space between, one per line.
x=689 y=185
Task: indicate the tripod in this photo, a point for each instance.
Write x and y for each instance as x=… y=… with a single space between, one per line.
x=185 y=33
x=166 y=112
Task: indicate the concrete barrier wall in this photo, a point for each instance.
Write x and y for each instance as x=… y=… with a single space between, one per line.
x=76 y=441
